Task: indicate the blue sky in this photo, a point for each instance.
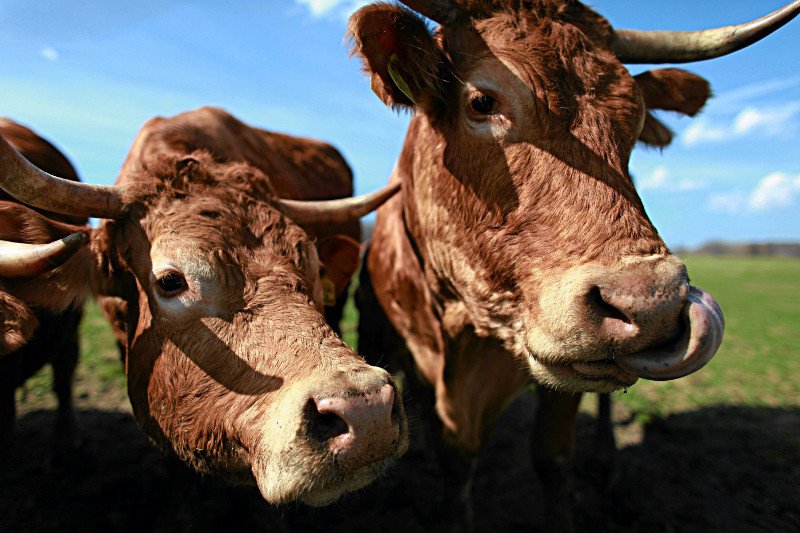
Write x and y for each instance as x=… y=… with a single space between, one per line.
x=87 y=74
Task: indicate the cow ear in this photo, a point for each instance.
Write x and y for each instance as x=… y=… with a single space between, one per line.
x=670 y=89
x=17 y=323
x=399 y=54
x=339 y=257
x=55 y=289
x=654 y=132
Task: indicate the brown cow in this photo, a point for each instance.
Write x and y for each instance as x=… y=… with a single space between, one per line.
x=519 y=248
x=230 y=362
x=49 y=337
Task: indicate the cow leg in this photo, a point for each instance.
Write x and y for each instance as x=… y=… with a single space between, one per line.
x=65 y=359
x=552 y=449
x=458 y=470
x=458 y=473
x=605 y=445
x=8 y=413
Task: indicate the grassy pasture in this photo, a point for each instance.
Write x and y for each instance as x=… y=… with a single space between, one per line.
x=758 y=364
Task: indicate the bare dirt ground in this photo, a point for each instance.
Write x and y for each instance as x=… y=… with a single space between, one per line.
x=717 y=469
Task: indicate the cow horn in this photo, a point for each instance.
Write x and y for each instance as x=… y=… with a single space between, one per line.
x=37 y=188
x=444 y=12
x=336 y=211
x=23 y=260
x=634 y=46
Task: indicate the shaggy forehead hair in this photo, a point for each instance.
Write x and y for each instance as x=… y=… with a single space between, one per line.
x=226 y=205
x=525 y=11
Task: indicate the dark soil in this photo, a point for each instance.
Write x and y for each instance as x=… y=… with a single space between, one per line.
x=717 y=469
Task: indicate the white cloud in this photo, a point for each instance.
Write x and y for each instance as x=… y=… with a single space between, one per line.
x=770 y=121
x=703 y=131
x=727 y=202
x=732 y=100
x=777 y=190
x=49 y=53
x=655 y=180
x=321 y=8
x=764 y=121
x=660 y=179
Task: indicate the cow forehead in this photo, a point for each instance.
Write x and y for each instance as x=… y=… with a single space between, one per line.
x=556 y=57
x=215 y=236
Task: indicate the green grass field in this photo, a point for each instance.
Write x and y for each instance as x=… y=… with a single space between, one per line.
x=759 y=361
x=758 y=364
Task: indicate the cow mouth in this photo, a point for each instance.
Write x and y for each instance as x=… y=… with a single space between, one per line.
x=700 y=339
x=598 y=376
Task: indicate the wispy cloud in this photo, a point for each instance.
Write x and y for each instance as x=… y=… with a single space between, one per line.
x=777 y=190
x=49 y=53
x=762 y=121
x=320 y=8
x=660 y=179
x=734 y=99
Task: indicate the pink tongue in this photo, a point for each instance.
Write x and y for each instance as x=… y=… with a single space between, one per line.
x=691 y=351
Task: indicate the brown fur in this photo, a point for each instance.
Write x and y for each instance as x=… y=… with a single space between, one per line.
x=508 y=219
x=222 y=372
x=23 y=349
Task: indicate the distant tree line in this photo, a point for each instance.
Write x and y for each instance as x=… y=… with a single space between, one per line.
x=751 y=249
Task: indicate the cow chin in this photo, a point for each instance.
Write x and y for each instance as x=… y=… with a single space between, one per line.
x=317 y=482
x=594 y=376
x=571 y=364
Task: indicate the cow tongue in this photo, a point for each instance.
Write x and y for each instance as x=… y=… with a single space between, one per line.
x=691 y=351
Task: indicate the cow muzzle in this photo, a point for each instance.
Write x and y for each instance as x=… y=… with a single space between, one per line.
x=349 y=428
x=356 y=429
x=612 y=325
x=702 y=333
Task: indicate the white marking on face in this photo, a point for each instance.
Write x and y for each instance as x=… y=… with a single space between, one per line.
x=514 y=108
x=203 y=295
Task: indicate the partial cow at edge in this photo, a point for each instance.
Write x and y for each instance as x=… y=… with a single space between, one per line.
x=216 y=244
x=520 y=249
x=32 y=338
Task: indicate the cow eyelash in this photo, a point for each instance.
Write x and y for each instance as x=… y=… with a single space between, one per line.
x=483 y=104
x=171 y=283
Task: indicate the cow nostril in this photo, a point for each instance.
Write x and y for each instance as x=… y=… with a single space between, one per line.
x=603 y=308
x=323 y=426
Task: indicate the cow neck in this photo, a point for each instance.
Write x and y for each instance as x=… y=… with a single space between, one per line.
x=438 y=304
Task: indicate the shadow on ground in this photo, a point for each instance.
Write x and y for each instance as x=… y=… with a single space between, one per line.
x=715 y=469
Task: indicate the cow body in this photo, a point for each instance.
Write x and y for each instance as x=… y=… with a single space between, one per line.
x=217 y=298
x=55 y=339
x=520 y=249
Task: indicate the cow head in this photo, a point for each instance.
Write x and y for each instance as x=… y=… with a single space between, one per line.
x=516 y=184
x=230 y=362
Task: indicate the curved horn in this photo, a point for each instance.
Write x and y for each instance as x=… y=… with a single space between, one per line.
x=24 y=260
x=444 y=12
x=37 y=188
x=336 y=211
x=634 y=46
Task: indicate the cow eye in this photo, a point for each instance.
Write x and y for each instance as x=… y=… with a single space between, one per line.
x=171 y=283
x=483 y=104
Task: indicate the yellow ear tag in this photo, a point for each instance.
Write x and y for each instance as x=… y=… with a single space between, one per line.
x=397 y=78
x=328 y=292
